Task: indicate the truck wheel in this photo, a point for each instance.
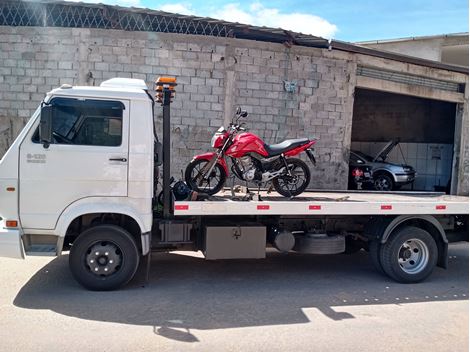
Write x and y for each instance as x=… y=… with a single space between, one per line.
x=374 y=254
x=104 y=258
x=409 y=255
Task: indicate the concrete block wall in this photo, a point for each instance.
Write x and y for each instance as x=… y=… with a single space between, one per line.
x=214 y=76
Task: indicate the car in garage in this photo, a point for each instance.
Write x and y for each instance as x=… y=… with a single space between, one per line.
x=386 y=176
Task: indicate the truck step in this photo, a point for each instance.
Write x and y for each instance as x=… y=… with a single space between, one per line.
x=42 y=250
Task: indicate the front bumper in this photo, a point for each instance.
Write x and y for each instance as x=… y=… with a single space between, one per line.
x=404 y=179
x=11 y=244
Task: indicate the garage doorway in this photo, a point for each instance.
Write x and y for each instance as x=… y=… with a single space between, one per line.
x=424 y=128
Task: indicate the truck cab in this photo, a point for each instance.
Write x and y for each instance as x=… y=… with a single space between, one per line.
x=98 y=159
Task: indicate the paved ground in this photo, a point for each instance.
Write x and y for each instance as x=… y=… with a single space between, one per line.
x=300 y=303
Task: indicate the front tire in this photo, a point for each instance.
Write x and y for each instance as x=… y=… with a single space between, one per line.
x=383 y=182
x=291 y=186
x=409 y=255
x=104 y=258
x=212 y=184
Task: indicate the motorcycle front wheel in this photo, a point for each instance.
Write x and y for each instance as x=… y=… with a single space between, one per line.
x=290 y=185
x=209 y=184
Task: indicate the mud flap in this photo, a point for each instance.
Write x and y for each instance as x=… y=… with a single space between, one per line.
x=310 y=156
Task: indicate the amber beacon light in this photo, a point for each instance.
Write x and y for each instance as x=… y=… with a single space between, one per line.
x=162 y=84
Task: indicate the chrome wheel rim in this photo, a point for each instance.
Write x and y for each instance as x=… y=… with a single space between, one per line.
x=413 y=256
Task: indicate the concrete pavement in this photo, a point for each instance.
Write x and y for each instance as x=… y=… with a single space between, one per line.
x=283 y=303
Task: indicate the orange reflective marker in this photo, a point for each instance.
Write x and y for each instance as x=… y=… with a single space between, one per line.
x=11 y=223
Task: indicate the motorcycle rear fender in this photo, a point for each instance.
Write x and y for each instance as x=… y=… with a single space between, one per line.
x=209 y=156
x=299 y=149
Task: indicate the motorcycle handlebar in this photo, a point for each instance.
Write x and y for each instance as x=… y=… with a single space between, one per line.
x=237 y=127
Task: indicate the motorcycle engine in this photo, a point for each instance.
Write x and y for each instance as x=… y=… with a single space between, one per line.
x=248 y=167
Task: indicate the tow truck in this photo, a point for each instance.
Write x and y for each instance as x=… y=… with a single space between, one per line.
x=83 y=176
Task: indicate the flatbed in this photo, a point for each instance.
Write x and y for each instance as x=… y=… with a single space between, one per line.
x=328 y=203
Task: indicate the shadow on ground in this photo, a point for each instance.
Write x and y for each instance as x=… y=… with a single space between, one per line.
x=187 y=293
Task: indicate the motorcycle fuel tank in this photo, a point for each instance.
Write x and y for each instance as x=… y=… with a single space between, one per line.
x=245 y=143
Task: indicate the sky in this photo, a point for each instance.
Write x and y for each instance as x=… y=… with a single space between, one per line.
x=348 y=20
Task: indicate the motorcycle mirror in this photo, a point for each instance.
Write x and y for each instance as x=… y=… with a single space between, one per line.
x=244 y=114
x=238 y=111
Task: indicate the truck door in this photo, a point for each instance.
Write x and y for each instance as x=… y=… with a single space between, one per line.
x=87 y=158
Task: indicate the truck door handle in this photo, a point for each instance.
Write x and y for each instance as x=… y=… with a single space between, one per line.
x=123 y=160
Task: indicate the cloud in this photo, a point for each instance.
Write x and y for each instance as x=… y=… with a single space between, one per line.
x=260 y=15
x=255 y=14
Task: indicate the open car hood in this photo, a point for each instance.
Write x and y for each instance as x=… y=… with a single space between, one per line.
x=383 y=154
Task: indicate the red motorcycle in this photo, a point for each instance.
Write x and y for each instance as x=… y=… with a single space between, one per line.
x=252 y=161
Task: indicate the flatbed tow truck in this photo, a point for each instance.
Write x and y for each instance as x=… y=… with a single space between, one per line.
x=83 y=176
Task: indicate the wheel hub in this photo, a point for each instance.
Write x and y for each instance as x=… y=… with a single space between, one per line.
x=406 y=254
x=103 y=258
x=413 y=256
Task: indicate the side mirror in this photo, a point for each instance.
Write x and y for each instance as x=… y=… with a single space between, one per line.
x=45 y=126
x=239 y=110
x=243 y=114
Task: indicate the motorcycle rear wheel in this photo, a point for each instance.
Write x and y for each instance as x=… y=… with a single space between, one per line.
x=209 y=185
x=291 y=186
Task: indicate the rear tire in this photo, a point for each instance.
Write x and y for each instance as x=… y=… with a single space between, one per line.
x=104 y=258
x=285 y=186
x=409 y=255
x=213 y=185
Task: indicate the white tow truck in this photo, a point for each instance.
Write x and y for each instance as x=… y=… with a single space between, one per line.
x=83 y=176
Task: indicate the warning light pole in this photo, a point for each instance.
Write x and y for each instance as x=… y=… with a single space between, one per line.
x=165 y=88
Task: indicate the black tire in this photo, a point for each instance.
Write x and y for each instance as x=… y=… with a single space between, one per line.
x=374 y=254
x=402 y=241
x=117 y=244
x=281 y=183
x=191 y=182
x=383 y=182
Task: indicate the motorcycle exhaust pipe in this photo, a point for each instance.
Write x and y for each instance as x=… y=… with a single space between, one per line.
x=310 y=156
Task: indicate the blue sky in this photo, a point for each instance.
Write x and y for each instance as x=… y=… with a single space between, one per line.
x=340 y=19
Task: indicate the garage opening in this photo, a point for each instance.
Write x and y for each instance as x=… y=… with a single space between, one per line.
x=423 y=128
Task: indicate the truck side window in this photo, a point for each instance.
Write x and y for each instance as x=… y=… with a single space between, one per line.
x=88 y=122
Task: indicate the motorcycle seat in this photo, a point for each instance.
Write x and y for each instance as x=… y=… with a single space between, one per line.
x=288 y=144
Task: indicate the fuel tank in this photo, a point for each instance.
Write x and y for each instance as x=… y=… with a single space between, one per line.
x=245 y=143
